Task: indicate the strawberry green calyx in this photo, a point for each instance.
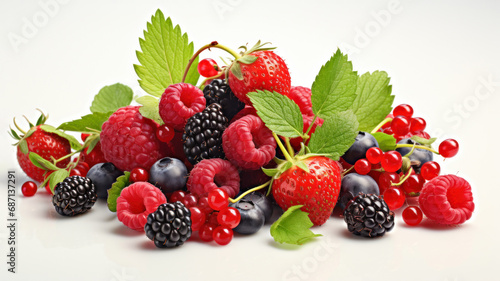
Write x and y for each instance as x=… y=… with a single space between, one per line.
x=247 y=58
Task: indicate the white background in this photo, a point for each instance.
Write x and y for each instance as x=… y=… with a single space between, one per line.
x=438 y=54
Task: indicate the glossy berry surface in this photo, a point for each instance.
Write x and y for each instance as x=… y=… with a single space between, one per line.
x=394 y=197
x=391 y=161
x=139 y=174
x=448 y=148
x=262 y=202
x=430 y=170
x=386 y=180
x=400 y=125
x=418 y=154
x=412 y=215
x=252 y=217
x=207 y=68
x=189 y=200
x=165 y=133
x=206 y=232
x=358 y=149
x=352 y=185
x=403 y=110
x=222 y=235
x=197 y=218
x=374 y=155
x=218 y=199
x=177 y=195
x=362 y=166
x=76 y=172
x=103 y=175
x=169 y=174
x=229 y=217
x=417 y=124
x=413 y=184
x=29 y=188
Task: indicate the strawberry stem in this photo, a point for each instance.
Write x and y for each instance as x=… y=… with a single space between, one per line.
x=289 y=146
x=249 y=191
x=386 y=120
x=283 y=149
x=306 y=135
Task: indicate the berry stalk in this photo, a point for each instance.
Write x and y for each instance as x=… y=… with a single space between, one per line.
x=250 y=191
x=418 y=147
x=385 y=121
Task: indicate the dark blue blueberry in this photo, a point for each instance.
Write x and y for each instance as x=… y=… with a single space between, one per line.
x=168 y=174
x=362 y=143
x=252 y=217
x=262 y=202
x=420 y=155
x=352 y=184
x=103 y=175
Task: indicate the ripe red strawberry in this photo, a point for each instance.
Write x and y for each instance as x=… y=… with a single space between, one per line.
x=267 y=72
x=317 y=190
x=48 y=145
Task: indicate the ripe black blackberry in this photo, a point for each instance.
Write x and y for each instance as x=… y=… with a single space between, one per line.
x=218 y=91
x=74 y=195
x=369 y=216
x=169 y=226
x=202 y=136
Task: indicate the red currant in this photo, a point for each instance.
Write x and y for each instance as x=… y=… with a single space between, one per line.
x=414 y=184
x=139 y=174
x=212 y=218
x=29 y=188
x=165 y=133
x=394 y=197
x=189 y=200
x=84 y=136
x=386 y=180
x=362 y=166
x=400 y=125
x=412 y=215
x=218 y=199
x=417 y=124
x=222 y=235
x=177 y=195
x=430 y=170
x=403 y=109
x=374 y=155
x=388 y=124
x=76 y=172
x=197 y=218
x=206 y=232
x=203 y=205
x=208 y=68
x=448 y=148
x=388 y=131
x=391 y=161
x=229 y=217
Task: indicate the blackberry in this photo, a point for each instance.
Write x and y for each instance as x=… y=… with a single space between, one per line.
x=368 y=216
x=169 y=226
x=74 y=195
x=218 y=91
x=202 y=136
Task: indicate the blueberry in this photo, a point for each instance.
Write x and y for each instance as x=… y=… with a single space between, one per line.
x=169 y=174
x=362 y=143
x=420 y=155
x=262 y=202
x=252 y=217
x=352 y=184
x=103 y=175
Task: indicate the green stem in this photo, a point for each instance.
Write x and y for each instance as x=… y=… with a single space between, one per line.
x=402 y=180
x=411 y=151
x=249 y=191
x=417 y=147
x=386 y=120
x=285 y=152
x=211 y=78
x=213 y=44
x=348 y=170
x=306 y=135
x=289 y=146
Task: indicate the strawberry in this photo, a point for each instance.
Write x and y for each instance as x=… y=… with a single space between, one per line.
x=258 y=69
x=317 y=190
x=48 y=145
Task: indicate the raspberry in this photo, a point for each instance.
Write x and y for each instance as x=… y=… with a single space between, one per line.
x=209 y=174
x=248 y=143
x=302 y=97
x=447 y=200
x=247 y=110
x=128 y=140
x=295 y=142
x=136 y=202
x=178 y=103
x=218 y=91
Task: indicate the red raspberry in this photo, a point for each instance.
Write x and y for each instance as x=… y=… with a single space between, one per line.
x=128 y=140
x=94 y=157
x=213 y=173
x=136 y=202
x=179 y=102
x=302 y=97
x=295 y=142
x=248 y=143
x=447 y=200
x=247 y=110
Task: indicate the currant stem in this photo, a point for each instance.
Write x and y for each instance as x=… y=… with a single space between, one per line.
x=386 y=120
x=411 y=151
x=283 y=149
x=403 y=179
x=249 y=191
x=418 y=147
x=348 y=170
x=211 y=78
x=213 y=44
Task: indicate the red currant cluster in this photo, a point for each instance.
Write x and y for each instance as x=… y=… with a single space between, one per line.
x=211 y=215
x=401 y=123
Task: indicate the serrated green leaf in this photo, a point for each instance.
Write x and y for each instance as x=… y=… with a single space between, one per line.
x=293 y=227
x=75 y=144
x=334 y=88
x=280 y=114
x=164 y=55
x=373 y=99
x=116 y=189
x=385 y=142
x=23 y=146
x=335 y=136
x=40 y=162
x=57 y=177
x=150 y=108
x=87 y=124
x=112 y=97
x=424 y=141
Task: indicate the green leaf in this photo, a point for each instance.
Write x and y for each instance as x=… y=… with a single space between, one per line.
x=14 y=134
x=116 y=189
x=385 y=142
x=303 y=166
x=164 y=57
x=23 y=146
x=40 y=162
x=87 y=124
x=334 y=88
x=423 y=141
x=335 y=136
x=112 y=97
x=57 y=177
x=75 y=144
x=247 y=59
x=280 y=114
x=270 y=172
x=150 y=108
x=91 y=142
x=293 y=227
x=373 y=99
x=236 y=70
